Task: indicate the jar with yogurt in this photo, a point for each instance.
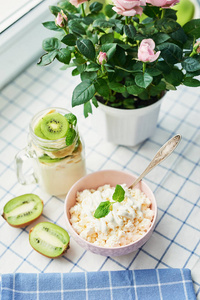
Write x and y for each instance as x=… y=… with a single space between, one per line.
x=56 y=151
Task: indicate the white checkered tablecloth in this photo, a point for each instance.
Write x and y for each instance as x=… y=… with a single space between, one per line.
x=176 y=182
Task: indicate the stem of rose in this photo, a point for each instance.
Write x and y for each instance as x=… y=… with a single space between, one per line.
x=144 y=67
x=83 y=10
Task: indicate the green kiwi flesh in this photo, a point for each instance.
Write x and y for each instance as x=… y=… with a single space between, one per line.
x=54 y=126
x=47 y=159
x=49 y=239
x=22 y=210
x=38 y=132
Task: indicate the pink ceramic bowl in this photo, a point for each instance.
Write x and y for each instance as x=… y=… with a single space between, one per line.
x=93 y=181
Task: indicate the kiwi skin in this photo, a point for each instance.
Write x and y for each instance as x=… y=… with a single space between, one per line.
x=26 y=223
x=21 y=225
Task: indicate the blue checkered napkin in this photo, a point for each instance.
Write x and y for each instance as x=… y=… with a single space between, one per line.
x=152 y=284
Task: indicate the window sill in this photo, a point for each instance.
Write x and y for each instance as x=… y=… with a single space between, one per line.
x=21 y=43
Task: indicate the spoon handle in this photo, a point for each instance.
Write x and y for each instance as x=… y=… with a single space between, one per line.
x=162 y=153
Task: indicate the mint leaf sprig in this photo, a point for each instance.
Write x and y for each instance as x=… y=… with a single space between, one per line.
x=106 y=206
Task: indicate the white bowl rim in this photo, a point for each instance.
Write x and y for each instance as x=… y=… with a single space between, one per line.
x=107 y=249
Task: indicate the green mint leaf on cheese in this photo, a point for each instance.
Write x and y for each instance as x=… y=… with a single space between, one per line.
x=119 y=193
x=102 y=210
x=71 y=133
x=71 y=118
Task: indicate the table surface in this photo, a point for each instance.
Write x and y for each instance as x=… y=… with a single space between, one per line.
x=175 y=183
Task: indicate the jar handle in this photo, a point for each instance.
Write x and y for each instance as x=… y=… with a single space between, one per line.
x=20 y=159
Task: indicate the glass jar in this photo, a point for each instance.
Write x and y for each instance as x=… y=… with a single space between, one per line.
x=56 y=166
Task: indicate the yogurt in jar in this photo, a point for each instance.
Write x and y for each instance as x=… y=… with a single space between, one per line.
x=128 y=221
x=57 y=166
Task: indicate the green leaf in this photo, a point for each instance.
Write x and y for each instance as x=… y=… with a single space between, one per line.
x=64 y=55
x=152 y=11
x=51 y=26
x=163 y=66
x=179 y=36
x=54 y=10
x=167 y=25
x=75 y=72
x=68 y=6
x=107 y=38
x=51 y=44
x=69 y=39
x=171 y=53
x=175 y=77
x=110 y=49
x=86 y=48
x=191 y=64
x=101 y=23
x=79 y=61
x=134 y=90
x=71 y=134
x=160 y=38
x=171 y=13
x=83 y=92
x=143 y=80
x=93 y=67
x=95 y=7
x=88 y=75
x=192 y=28
x=119 y=193
x=71 y=118
x=102 y=210
x=76 y=27
x=109 y=11
x=46 y=59
x=157 y=89
x=153 y=71
x=102 y=87
x=188 y=81
x=95 y=102
x=117 y=87
x=87 y=109
x=130 y=31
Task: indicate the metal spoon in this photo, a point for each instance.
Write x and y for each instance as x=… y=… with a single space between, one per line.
x=163 y=153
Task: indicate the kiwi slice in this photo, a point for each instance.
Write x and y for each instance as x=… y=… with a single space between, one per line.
x=22 y=210
x=54 y=126
x=38 y=132
x=49 y=239
x=47 y=159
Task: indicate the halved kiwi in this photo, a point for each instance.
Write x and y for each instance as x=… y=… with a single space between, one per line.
x=49 y=239
x=22 y=210
x=54 y=126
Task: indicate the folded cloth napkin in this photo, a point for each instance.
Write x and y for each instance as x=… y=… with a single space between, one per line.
x=152 y=284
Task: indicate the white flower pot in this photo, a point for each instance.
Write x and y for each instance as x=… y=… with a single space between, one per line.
x=127 y=127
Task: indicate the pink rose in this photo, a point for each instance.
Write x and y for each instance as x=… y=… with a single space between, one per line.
x=102 y=57
x=146 y=51
x=163 y=3
x=60 y=19
x=128 y=7
x=77 y=2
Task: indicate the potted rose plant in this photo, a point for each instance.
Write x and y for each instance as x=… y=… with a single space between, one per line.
x=128 y=54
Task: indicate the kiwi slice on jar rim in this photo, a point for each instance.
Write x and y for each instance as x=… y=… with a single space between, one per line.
x=38 y=132
x=22 y=210
x=54 y=126
x=49 y=239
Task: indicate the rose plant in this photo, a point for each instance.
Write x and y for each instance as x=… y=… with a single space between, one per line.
x=127 y=53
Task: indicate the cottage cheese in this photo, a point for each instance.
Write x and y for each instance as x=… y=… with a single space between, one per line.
x=126 y=223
